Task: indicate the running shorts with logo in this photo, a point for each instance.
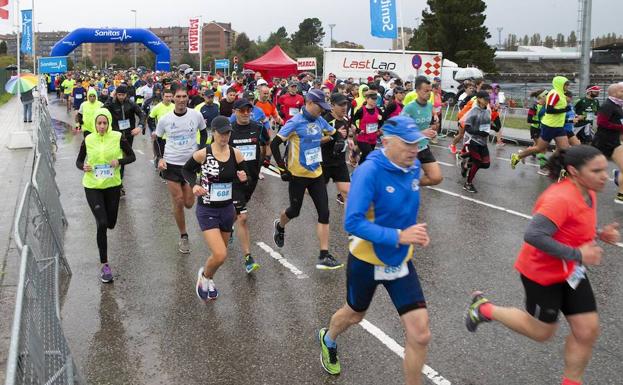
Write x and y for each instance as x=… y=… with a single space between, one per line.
x=221 y=218
x=405 y=292
x=546 y=302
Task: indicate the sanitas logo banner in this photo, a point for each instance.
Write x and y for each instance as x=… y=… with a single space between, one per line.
x=50 y=65
x=383 y=19
x=119 y=35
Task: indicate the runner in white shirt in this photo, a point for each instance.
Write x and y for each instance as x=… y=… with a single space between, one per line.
x=180 y=130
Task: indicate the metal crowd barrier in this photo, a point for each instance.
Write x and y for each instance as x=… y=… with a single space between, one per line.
x=39 y=353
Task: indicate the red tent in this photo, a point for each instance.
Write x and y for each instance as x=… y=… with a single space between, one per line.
x=274 y=63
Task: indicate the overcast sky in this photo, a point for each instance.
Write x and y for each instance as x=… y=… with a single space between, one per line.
x=259 y=18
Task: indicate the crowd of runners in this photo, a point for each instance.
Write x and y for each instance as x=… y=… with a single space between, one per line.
x=213 y=137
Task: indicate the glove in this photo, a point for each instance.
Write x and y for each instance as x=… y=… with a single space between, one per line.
x=286 y=175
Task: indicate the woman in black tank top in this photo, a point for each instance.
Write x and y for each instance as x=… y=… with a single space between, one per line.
x=211 y=173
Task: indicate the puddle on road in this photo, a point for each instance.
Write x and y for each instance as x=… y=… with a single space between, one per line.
x=62 y=131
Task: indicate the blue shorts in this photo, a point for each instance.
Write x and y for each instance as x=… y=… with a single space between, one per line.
x=221 y=218
x=406 y=292
x=549 y=133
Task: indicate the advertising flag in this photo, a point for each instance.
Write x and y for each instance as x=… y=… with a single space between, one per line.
x=193 y=36
x=26 y=31
x=383 y=22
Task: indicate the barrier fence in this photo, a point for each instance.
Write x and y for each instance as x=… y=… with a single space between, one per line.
x=39 y=353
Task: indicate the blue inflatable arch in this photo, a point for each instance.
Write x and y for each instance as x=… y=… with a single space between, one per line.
x=115 y=35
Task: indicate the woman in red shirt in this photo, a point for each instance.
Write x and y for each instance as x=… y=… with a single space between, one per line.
x=559 y=242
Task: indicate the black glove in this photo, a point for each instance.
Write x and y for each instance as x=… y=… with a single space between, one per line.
x=286 y=175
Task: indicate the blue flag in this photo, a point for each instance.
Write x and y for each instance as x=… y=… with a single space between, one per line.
x=383 y=22
x=26 y=47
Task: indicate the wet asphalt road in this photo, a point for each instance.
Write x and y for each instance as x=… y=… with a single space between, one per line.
x=150 y=328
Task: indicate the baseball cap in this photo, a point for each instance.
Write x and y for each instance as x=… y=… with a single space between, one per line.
x=208 y=94
x=221 y=124
x=317 y=97
x=337 y=99
x=241 y=103
x=261 y=81
x=593 y=89
x=293 y=83
x=406 y=129
x=121 y=89
x=249 y=95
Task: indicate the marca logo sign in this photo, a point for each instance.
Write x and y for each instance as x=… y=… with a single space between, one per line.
x=193 y=36
x=306 y=63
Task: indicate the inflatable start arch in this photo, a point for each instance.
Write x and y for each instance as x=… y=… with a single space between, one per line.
x=115 y=35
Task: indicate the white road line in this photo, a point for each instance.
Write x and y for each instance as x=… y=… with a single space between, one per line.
x=140 y=152
x=500 y=208
x=446 y=164
x=266 y=171
x=395 y=347
x=275 y=255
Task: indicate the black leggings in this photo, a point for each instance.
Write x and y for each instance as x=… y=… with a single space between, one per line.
x=318 y=192
x=104 y=204
x=128 y=136
x=365 y=149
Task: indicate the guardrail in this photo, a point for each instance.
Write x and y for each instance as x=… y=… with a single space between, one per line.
x=39 y=353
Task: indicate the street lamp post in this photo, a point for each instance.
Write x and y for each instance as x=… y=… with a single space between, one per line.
x=134 y=11
x=331 y=26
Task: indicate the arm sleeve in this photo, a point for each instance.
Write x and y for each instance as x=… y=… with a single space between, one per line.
x=603 y=120
x=203 y=138
x=540 y=233
x=274 y=148
x=190 y=170
x=355 y=221
x=82 y=155
x=357 y=116
x=128 y=153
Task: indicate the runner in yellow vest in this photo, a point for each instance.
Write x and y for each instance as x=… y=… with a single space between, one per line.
x=101 y=156
x=85 y=118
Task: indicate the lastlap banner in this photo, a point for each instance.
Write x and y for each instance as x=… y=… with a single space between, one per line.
x=383 y=22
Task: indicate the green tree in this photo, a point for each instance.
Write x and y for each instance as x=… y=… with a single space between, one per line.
x=560 y=40
x=548 y=42
x=525 y=40
x=456 y=28
x=147 y=60
x=348 y=44
x=511 y=42
x=572 y=40
x=310 y=33
x=535 y=39
x=3 y=47
x=245 y=49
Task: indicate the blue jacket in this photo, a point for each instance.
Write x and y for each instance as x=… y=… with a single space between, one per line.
x=383 y=199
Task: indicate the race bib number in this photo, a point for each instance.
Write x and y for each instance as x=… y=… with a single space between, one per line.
x=293 y=111
x=180 y=140
x=248 y=151
x=579 y=273
x=220 y=192
x=103 y=171
x=371 y=128
x=390 y=273
x=590 y=116
x=312 y=156
x=124 y=124
x=485 y=127
x=78 y=96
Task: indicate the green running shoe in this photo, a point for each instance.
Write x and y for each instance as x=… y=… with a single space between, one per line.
x=474 y=317
x=328 y=356
x=249 y=264
x=514 y=160
x=542 y=159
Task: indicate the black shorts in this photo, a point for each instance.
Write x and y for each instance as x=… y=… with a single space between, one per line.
x=479 y=153
x=242 y=194
x=221 y=218
x=426 y=156
x=606 y=145
x=337 y=172
x=535 y=133
x=173 y=173
x=545 y=302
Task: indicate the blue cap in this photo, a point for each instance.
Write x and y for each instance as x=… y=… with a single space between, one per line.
x=317 y=97
x=406 y=129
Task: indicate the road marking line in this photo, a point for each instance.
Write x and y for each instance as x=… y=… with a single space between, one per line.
x=275 y=255
x=500 y=208
x=139 y=151
x=395 y=347
x=446 y=164
x=266 y=171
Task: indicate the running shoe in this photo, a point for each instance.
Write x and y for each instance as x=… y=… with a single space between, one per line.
x=615 y=176
x=205 y=289
x=106 y=274
x=340 y=199
x=328 y=356
x=619 y=199
x=474 y=317
x=249 y=264
x=514 y=160
x=543 y=171
x=328 y=263
x=278 y=234
x=469 y=187
x=542 y=159
x=452 y=148
x=184 y=245
x=434 y=140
